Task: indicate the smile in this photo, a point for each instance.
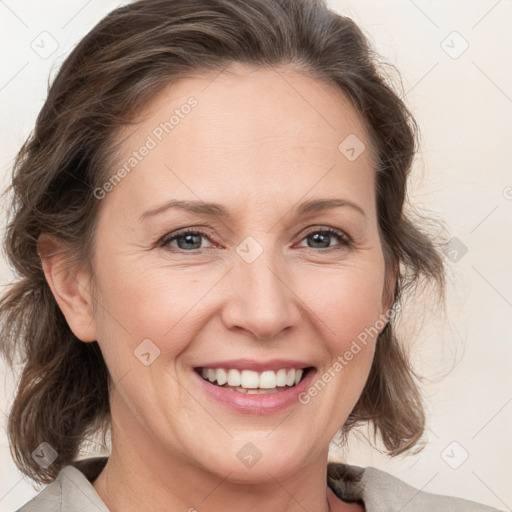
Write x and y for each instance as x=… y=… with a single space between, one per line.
x=259 y=392
x=252 y=382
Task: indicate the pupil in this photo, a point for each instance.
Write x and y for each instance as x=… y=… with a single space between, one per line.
x=189 y=239
x=317 y=238
x=323 y=239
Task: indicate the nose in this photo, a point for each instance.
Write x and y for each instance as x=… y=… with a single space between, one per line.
x=262 y=300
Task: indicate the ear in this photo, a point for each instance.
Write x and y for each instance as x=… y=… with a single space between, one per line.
x=70 y=286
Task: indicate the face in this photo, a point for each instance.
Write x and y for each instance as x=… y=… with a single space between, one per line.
x=270 y=278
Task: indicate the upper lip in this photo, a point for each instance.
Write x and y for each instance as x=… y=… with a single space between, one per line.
x=257 y=366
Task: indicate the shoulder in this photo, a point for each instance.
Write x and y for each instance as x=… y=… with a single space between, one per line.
x=383 y=492
x=71 y=491
x=49 y=499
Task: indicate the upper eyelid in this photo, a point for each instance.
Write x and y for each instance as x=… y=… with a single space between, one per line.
x=305 y=232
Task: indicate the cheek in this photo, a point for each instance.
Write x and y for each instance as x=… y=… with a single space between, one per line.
x=137 y=304
x=169 y=306
x=347 y=302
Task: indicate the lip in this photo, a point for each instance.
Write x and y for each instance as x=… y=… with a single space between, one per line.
x=256 y=404
x=256 y=366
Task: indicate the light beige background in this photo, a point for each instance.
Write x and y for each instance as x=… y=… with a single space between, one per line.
x=463 y=103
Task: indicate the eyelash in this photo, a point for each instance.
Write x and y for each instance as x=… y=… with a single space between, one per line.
x=345 y=240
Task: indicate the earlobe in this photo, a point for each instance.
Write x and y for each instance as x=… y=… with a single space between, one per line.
x=70 y=285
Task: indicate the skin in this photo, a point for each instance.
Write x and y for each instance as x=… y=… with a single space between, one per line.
x=259 y=155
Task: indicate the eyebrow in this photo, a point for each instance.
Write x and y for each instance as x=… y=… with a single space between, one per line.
x=217 y=210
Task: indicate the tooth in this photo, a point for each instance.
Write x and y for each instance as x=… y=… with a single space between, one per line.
x=281 y=378
x=290 y=377
x=249 y=379
x=233 y=378
x=267 y=380
x=222 y=376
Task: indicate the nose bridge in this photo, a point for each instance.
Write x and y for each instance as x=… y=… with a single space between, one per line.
x=261 y=300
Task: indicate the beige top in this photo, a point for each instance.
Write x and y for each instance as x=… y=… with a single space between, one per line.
x=72 y=491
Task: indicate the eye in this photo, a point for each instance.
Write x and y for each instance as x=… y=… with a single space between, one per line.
x=320 y=238
x=186 y=240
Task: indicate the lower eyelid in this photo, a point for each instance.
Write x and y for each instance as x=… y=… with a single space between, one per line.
x=344 y=239
x=166 y=241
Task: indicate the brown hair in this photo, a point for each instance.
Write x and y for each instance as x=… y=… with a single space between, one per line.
x=112 y=73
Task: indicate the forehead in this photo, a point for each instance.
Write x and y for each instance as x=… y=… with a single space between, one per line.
x=247 y=128
x=276 y=102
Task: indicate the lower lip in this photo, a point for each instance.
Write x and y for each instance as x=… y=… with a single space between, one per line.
x=256 y=404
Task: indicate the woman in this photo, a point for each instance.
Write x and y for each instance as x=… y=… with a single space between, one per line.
x=209 y=231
